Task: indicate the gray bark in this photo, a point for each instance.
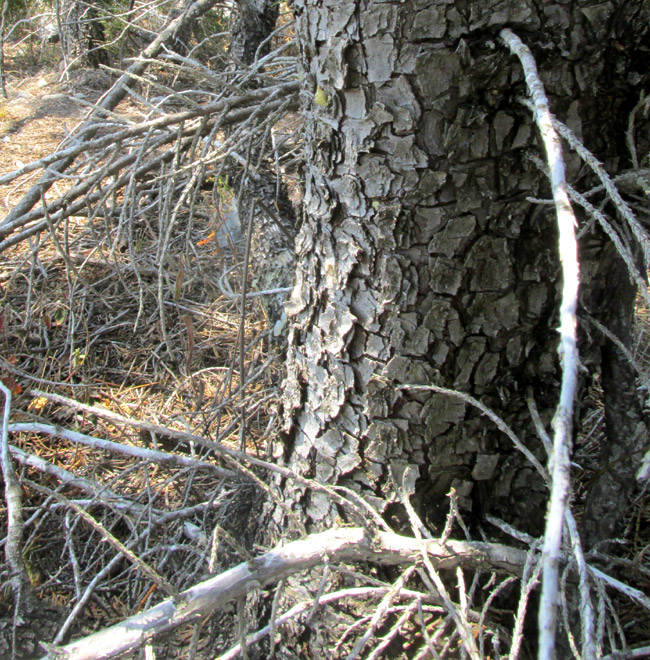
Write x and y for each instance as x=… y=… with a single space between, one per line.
x=83 y=34
x=420 y=260
x=626 y=433
x=254 y=22
x=279 y=563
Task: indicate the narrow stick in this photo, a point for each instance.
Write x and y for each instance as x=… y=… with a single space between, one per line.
x=562 y=421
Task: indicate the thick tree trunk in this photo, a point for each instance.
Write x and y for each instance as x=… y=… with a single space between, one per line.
x=421 y=261
x=626 y=432
x=254 y=22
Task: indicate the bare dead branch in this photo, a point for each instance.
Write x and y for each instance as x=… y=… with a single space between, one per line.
x=612 y=191
x=13 y=497
x=344 y=496
x=80 y=196
x=150 y=455
x=351 y=544
x=117 y=545
x=92 y=488
x=109 y=102
x=251 y=98
x=332 y=597
x=562 y=421
x=629 y=654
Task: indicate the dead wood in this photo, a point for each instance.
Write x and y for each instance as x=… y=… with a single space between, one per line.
x=109 y=102
x=338 y=545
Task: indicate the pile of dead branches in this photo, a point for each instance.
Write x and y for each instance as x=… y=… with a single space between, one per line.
x=140 y=396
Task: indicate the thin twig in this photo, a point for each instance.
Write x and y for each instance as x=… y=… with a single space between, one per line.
x=117 y=544
x=298 y=609
x=589 y=650
x=151 y=455
x=380 y=613
x=110 y=101
x=459 y=617
x=242 y=326
x=490 y=414
x=612 y=191
x=529 y=581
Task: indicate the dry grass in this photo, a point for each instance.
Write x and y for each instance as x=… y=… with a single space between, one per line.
x=80 y=317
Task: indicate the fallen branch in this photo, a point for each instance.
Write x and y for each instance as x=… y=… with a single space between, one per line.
x=559 y=466
x=78 y=197
x=353 y=502
x=249 y=100
x=150 y=455
x=14 y=506
x=117 y=92
x=97 y=491
x=339 y=545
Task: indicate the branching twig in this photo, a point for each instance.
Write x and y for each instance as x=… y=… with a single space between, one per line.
x=346 y=497
x=109 y=102
x=327 y=599
x=117 y=544
x=529 y=581
x=380 y=613
x=612 y=191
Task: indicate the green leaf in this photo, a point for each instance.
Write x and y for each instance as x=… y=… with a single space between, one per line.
x=320 y=97
x=60 y=315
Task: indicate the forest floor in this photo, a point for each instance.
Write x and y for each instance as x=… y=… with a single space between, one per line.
x=81 y=318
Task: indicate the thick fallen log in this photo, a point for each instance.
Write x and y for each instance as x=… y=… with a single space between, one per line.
x=338 y=545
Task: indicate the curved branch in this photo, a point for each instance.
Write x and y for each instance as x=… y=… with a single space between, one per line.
x=562 y=421
x=350 y=544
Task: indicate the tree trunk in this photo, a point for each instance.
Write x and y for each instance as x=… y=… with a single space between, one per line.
x=254 y=22
x=626 y=433
x=265 y=195
x=83 y=34
x=421 y=259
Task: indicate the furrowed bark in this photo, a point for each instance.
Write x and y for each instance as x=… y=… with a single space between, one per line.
x=420 y=260
x=254 y=22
